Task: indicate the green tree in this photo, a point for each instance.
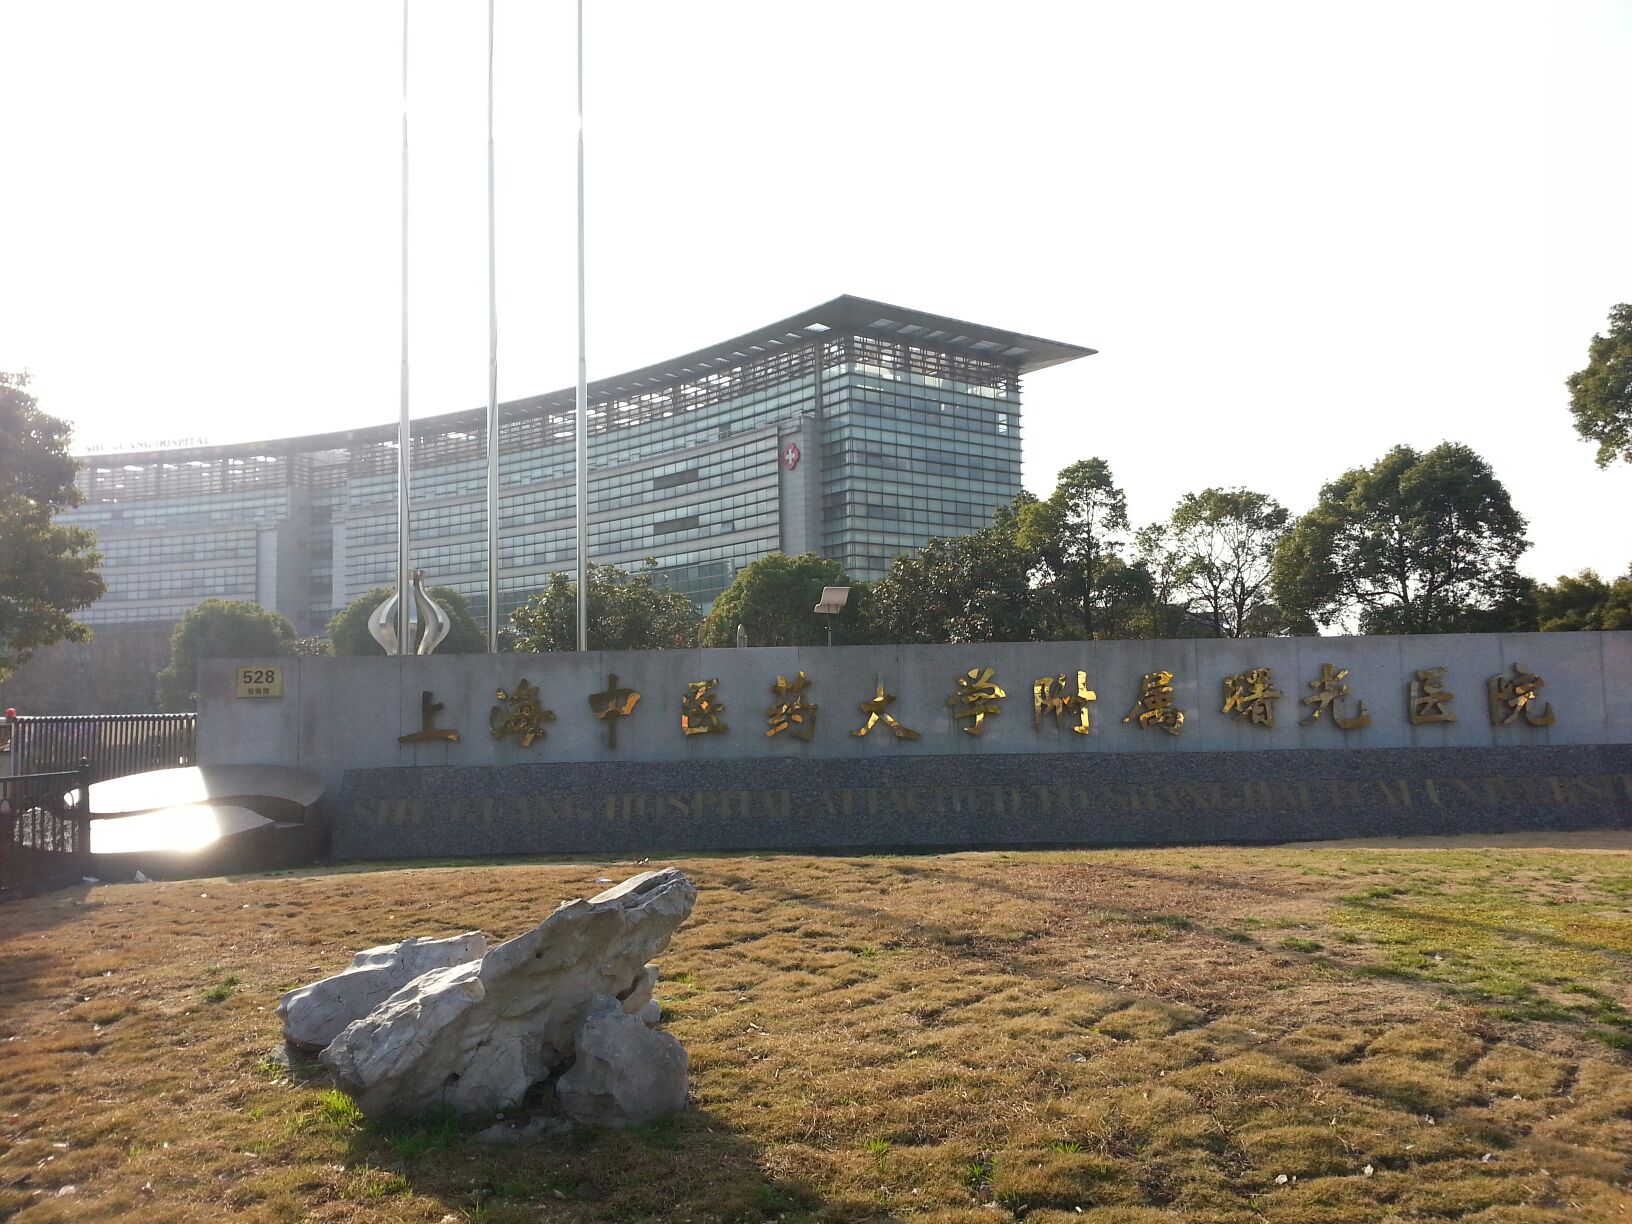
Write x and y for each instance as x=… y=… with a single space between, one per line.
x=1601 y=393
x=1077 y=536
x=969 y=588
x=1221 y=546
x=47 y=571
x=774 y=599
x=1584 y=601
x=1415 y=543
x=348 y=628
x=219 y=629
x=1166 y=614
x=627 y=611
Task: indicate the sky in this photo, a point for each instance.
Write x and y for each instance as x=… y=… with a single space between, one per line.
x=1298 y=234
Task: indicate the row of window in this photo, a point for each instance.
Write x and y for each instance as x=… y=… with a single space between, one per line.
x=176 y=549
x=958 y=403
x=607 y=493
x=610 y=534
x=225 y=508
x=236 y=581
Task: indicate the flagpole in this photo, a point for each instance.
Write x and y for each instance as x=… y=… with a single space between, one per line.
x=492 y=373
x=583 y=376
x=404 y=433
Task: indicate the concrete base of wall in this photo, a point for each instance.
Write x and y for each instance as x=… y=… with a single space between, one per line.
x=938 y=803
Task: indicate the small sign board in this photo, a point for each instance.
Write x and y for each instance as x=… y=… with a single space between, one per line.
x=260 y=682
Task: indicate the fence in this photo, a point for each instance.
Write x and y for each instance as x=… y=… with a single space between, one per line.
x=45 y=827
x=114 y=744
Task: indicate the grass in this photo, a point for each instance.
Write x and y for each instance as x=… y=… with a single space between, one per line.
x=1220 y=1036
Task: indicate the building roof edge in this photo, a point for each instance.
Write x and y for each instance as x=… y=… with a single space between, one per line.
x=842 y=315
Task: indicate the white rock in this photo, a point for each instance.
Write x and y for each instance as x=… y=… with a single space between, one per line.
x=651 y=1013
x=315 y=1015
x=640 y=993
x=623 y=1073
x=475 y=1037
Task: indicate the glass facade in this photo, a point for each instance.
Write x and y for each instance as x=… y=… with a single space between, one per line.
x=841 y=431
x=915 y=443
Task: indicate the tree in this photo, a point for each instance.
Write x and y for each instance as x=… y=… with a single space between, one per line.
x=219 y=629
x=1221 y=551
x=1601 y=393
x=47 y=571
x=1077 y=536
x=627 y=611
x=1584 y=601
x=774 y=599
x=348 y=628
x=969 y=588
x=1166 y=614
x=1416 y=543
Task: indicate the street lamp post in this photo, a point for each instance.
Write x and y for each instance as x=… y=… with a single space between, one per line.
x=832 y=603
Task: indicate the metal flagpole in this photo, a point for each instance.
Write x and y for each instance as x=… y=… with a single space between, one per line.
x=492 y=373
x=404 y=439
x=583 y=376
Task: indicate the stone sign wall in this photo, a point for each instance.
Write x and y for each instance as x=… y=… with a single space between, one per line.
x=1015 y=744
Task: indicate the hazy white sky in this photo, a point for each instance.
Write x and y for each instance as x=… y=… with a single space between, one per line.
x=1298 y=233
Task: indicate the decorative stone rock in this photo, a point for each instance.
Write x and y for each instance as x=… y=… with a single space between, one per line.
x=315 y=1015
x=641 y=993
x=475 y=1037
x=623 y=1073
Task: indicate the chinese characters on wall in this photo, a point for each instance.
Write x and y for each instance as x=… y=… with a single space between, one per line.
x=1062 y=700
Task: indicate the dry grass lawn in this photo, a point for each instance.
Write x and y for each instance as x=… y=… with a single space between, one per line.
x=1303 y=1036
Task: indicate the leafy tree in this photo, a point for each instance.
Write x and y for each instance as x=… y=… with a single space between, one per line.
x=969 y=588
x=1601 y=394
x=1166 y=613
x=1222 y=544
x=1077 y=535
x=1163 y=616
x=219 y=629
x=348 y=629
x=627 y=611
x=47 y=571
x=1416 y=543
x=774 y=599
x=1584 y=601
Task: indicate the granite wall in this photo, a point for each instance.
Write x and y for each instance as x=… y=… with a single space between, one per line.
x=1266 y=772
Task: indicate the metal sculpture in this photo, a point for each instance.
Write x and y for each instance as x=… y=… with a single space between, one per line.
x=428 y=624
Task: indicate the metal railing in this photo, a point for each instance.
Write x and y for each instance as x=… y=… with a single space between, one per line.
x=114 y=744
x=45 y=826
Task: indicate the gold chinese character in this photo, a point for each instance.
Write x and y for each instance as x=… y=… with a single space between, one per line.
x=1155 y=705
x=1252 y=694
x=977 y=697
x=1510 y=698
x=877 y=709
x=1329 y=690
x=1429 y=698
x=700 y=709
x=791 y=712
x=524 y=719
x=428 y=731
x=612 y=706
x=1055 y=696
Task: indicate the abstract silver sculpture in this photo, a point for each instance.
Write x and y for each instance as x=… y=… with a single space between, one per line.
x=428 y=625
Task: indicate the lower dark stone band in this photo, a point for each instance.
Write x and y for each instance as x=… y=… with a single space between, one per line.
x=927 y=803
